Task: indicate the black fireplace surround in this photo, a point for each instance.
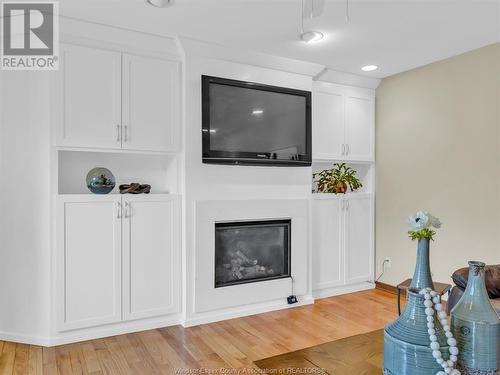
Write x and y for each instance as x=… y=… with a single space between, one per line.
x=251 y=251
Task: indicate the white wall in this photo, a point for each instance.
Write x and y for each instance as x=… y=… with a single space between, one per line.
x=24 y=206
x=438 y=149
x=219 y=182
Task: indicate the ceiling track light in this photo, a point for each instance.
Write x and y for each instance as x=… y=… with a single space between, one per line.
x=160 y=3
x=309 y=36
x=369 y=68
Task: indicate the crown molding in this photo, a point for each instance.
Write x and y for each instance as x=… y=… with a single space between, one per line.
x=348 y=79
x=193 y=47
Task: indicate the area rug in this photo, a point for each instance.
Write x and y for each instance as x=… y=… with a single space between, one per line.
x=360 y=355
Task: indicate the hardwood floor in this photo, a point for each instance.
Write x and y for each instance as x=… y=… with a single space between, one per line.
x=233 y=343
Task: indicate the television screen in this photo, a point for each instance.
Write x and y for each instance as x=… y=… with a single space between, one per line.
x=249 y=123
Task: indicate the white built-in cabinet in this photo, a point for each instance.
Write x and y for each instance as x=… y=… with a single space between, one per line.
x=114 y=100
x=118 y=258
x=89 y=259
x=343 y=124
x=342 y=240
x=151 y=249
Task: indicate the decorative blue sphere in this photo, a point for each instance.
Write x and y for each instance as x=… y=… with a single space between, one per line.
x=100 y=180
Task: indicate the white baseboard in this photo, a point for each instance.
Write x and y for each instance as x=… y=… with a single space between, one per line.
x=239 y=312
x=113 y=330
x=25 y=339
x=92 y=333
x=142 y=325
x=344 y=289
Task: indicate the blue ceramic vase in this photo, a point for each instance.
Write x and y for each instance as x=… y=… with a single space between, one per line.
x=422 y=276
x=476 y=327
x=406 y=341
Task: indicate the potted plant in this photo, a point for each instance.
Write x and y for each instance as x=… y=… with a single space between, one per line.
x=337 y=180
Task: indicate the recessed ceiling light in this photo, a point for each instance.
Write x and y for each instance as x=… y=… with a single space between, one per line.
x=311 y=36
x=257 y=112
x=160 y=3
x=369 y=68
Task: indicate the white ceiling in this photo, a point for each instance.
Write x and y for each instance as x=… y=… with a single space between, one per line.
x=396 y=35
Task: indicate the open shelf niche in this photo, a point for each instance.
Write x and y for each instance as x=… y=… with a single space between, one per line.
x=365 y=172
x=158 y=170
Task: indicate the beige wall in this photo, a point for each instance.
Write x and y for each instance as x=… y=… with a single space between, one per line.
x=438 y=149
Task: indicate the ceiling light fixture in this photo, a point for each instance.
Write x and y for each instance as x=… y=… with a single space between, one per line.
x=256 y=112
x=369 y=68
x=309 y=36
x=160 y=3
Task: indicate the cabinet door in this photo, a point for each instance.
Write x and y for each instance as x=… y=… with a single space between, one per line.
x=89 y=96
x=328 y=122
x=151 y=256
x=359 y=124
x=151 y=100
x=88 y=267
x=359 y=240
x=327 y=252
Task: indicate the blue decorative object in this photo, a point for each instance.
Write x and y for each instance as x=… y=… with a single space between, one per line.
x=100 y=180
x=406 y=341
x=422 y=277
x=476 y=326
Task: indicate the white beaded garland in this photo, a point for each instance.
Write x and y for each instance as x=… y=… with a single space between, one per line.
x=436 y=354
x=434 y=310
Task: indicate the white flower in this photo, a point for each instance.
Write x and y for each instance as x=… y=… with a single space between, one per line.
x=434 y=221
x=422 y=220
x=418 y=221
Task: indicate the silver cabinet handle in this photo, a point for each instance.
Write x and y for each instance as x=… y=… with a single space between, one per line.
x=118 y=135
x=127 y=209
x=343 y=149
x=347 y=149
x=342 y=204
x=126 y=134
x=119 y=210
x=347 y=204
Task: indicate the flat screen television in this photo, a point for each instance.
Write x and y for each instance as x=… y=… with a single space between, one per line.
x=252 y=123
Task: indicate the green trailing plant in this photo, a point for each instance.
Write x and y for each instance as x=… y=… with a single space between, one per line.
x=337 y=179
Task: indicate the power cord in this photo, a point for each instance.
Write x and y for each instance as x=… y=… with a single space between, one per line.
x=383 y=269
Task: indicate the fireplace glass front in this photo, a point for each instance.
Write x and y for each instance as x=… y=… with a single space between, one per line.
x=250 y=251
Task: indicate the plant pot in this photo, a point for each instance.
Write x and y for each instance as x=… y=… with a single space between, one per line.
x=341 y=188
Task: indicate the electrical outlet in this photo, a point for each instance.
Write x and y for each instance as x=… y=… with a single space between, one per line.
x=388 y=262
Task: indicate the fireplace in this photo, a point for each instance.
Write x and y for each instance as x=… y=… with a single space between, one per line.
x=251 y=251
